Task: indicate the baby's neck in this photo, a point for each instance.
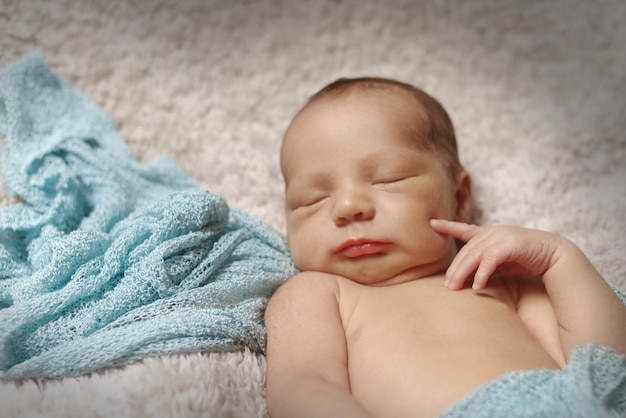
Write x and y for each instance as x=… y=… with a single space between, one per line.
x=415 y=273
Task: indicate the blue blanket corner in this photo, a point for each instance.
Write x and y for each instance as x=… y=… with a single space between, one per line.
x=107 y=260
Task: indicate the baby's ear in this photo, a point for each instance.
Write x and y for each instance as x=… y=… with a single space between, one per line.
x=463 y=197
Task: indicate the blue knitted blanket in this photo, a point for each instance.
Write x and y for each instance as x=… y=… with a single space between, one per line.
x=107 y=260
x=592 y=384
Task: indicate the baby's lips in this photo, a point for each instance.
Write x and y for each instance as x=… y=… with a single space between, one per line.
x=360 y=247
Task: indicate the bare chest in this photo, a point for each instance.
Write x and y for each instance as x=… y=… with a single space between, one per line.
x=419 y=346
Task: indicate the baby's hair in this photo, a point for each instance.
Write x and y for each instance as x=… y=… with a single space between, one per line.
x=435 y=133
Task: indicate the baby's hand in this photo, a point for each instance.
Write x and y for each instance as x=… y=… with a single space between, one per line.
x=507 y=250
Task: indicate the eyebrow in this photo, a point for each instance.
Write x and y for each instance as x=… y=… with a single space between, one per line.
x=374 y=159
x=314 y=179
x=368 y=162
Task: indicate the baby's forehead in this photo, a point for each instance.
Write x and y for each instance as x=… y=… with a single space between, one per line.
x=384 y=102
x=396 y=109
x=390 y=103
x=377 y=92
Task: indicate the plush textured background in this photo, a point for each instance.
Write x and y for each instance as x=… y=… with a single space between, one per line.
x=535 y=88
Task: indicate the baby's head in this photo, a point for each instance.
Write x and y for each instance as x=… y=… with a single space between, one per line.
x=367 y=163
x=427 y=120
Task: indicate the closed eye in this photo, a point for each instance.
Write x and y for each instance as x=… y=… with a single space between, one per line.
x=307 y=202
x=391 y=181
x=313 y=201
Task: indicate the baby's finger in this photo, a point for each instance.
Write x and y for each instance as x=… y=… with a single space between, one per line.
x=479 y=258
x=464 y=265
x=459 y=230
x=488 y=265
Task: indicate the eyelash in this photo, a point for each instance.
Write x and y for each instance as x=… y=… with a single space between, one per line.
x=307 y=203
x=390 y=182
x=383 y=183
x=312 y=202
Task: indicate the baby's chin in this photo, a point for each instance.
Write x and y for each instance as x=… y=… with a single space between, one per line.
x=386 y=277
x=357 y=277
x=380 y=270
x=376 y=280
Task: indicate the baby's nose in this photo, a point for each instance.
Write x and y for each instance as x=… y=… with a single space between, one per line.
x=352 y=207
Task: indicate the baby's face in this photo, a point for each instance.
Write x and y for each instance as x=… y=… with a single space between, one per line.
x=360 y=192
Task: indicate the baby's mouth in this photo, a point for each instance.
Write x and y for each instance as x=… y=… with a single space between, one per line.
x=360 y=247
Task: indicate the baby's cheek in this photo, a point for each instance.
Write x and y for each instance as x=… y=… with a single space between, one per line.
x=440 y=239
x=434 y=243
x=305 y=249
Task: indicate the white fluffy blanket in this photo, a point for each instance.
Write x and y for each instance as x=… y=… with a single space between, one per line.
x=536 y=90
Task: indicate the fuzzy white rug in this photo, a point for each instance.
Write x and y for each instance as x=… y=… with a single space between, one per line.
x=535 y=88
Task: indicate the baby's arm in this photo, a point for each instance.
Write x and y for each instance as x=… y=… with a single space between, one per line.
x=586 y=308
x=307 y=361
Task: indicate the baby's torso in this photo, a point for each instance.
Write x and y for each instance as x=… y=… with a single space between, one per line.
x=415 y=348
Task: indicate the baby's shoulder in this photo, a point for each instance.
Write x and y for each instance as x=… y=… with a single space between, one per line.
x=311 y=296
x=309 y=285
x=312 y=279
